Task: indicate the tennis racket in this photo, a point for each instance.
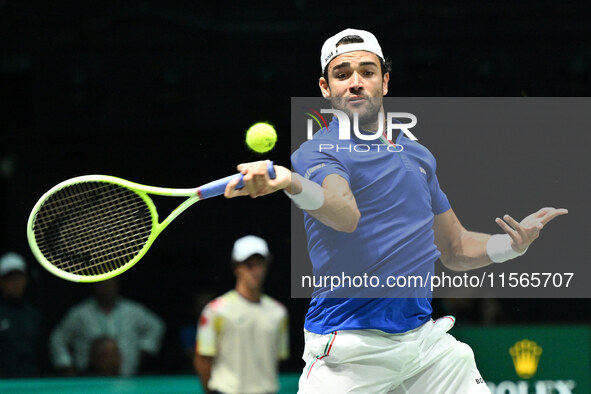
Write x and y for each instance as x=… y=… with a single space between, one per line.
x=95 y=227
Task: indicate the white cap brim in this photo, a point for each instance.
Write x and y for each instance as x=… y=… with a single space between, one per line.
x=330 y=49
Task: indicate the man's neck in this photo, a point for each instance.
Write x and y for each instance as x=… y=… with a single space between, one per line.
x=373 y=124
x=107 y=306
x=253 y=295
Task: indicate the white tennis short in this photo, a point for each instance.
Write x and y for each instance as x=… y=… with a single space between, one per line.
x=425 y=360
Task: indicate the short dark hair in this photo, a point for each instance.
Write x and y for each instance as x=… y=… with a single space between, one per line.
x=268 y=260
x=386 y=64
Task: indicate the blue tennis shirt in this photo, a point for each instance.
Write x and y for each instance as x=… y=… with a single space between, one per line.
x=398 y=195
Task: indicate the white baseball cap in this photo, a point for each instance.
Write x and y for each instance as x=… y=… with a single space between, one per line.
x=330 y=49
x=248 y=246
x=12 y=262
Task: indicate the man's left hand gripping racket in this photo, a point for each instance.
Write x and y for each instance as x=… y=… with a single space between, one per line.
x=95 y=227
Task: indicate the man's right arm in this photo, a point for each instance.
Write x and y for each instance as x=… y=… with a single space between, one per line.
x=206 y=343
x=202 y=366
x=338 y=210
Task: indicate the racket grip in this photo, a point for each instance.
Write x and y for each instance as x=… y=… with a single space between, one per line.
x=217 y=188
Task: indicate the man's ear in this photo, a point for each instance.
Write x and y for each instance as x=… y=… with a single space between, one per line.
x=385 y=81
x=324 y=88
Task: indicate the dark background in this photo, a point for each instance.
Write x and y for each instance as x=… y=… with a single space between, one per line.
x=161 y=92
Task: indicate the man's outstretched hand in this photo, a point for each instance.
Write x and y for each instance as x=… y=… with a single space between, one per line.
x=257 y=182
x=528 y=230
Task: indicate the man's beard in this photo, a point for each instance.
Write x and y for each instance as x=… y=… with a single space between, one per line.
x=368 y=114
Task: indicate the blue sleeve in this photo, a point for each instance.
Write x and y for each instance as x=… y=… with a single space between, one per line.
x=311 y=163
x=439 y=201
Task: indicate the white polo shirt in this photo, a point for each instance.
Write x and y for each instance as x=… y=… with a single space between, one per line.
x=246 y=340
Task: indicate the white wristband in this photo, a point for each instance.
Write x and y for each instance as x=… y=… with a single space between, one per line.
x=310 y=198
x=499 y=248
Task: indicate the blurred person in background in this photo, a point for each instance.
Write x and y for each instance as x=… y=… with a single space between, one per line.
x=243 y=334
x=20 y=321
x=137 y=330
x=105 y=357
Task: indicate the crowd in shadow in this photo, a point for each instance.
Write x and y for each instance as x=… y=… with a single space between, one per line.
x=104 y=335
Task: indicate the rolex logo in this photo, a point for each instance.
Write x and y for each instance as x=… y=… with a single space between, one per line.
x=526 y=355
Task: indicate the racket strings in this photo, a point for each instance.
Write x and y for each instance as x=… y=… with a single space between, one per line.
x=83 y=225
x=92 y=228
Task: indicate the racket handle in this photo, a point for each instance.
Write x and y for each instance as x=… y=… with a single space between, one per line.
x=217 y=188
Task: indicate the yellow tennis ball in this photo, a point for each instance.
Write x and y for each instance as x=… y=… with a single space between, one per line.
x=261 y=137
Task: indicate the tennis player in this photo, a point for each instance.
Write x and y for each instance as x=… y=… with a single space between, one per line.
x=380 y=213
